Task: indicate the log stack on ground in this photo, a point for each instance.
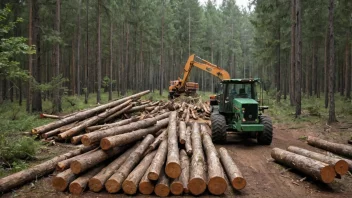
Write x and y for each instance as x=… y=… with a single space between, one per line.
x=316 y=169
x=340 y=149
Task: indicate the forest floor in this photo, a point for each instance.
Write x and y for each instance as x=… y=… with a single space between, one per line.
x=265 y=178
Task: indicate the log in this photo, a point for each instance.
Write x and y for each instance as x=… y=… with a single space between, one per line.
x=57 y=131
x=96 y=136
x=194 y=116
x=138 y=108
x=184 y=177
x=157 y=141
x=116 y=114
x=340 y=166
x=188 y=143
x=187 y=115
x=65 y=164
x=176 y=187
x=182 y=132
x=91 y=121
x=126 y=138
x=216 y=181
x=76 y=139
x=146 y=187
x=79 y=185
x=94 y=158
x=232 y=171
x=172 y=167
x=197 y=184
x=340 y=149
x=155 y=110
x=17 y=179
x=162 y=187
x=84 y=114
x=119 y=123
x=63 y=179
x=43 y=115
x=97 y=182
x=113 y=184
x=130 y=185
x=158 y=161
x=316 y=169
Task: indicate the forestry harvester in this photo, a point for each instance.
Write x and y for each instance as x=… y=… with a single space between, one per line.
x=236 y=108
x=177 y=87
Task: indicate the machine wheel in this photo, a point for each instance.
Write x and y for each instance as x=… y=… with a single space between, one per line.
x=171 y=95
x=218 y=127
x=266 y=136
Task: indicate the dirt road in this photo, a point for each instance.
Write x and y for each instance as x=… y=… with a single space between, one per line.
x=265 y=178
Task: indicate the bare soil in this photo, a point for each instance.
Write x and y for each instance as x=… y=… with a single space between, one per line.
x=265 y=178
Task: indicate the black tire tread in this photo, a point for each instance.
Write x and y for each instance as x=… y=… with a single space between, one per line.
x=266 y=137
x=218 y=127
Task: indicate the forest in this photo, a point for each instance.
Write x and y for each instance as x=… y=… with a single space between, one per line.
x=60 y=57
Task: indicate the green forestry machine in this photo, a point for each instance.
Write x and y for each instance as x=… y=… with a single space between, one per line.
x=236 y=108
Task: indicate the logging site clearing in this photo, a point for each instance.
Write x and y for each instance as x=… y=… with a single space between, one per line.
x=183 y=125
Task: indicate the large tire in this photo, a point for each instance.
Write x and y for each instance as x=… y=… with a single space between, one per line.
x=265 y=137
x=218 y=127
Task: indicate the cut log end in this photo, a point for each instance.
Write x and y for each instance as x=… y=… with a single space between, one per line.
x=328 y=174
x=75 y=167
x=176 y=188
x=341 y=167
x=153 y=176
x=239 y=183
x=162 y=190
x=105 y=144
x=85 y=140
x=59 y=184
x=197 y=186
x=173 y=170
x=129 y=187
x=34 y=131
x=146 y=188
x=217 y=185
x=95 y=185
x=76 y=188
x=112 y=186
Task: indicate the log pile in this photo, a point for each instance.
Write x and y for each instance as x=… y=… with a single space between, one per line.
x=158 y=148
x=319 y=166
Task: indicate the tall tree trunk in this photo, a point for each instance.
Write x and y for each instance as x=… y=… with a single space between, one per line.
x=57 y=97
x=298 y=56
x=111 y=58
x=326 y=69
x=29 y=91
x=86 y=76
x=98 y=54
x=278 y=51
x=78 y=70
x=293 y=59
x=332 y=116
x=72 y=76
x=37 y=97
x=314 y=68
x=348 y=68
x=161 y=70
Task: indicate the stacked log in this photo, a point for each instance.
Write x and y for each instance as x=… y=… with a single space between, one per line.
x=340 y=149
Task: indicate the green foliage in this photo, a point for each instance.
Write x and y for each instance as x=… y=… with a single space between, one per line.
x=11 y=47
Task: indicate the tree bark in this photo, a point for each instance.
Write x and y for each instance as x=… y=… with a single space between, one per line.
x=130 y=185
x=146 y=187
x=157 y=141
x=197 y=184
x=184 y=177
x=326 y=69
x=78 y=74
x=332 y=116
x=97 y=182
x=91 y=121
x=126 y=138
x=111 y=58
x=96 y=136
x=98 y=53
x=158 y=161
x=30 y=60
x=79 y=185
x=216 y=181
x=162 y=187
x=57 y=97
x=318 y=170
x=63 y=179
x=340 y=166
x=113 y=184
x=120 y=112
x=65 y=164
x=298 y=57
x=340 y=149
x=348 y=68
x=115 y=124
x=172 y=166
x=84 y=114
x=94 y=158
x=182 y=131
x=188 y=144
x=22 y=177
